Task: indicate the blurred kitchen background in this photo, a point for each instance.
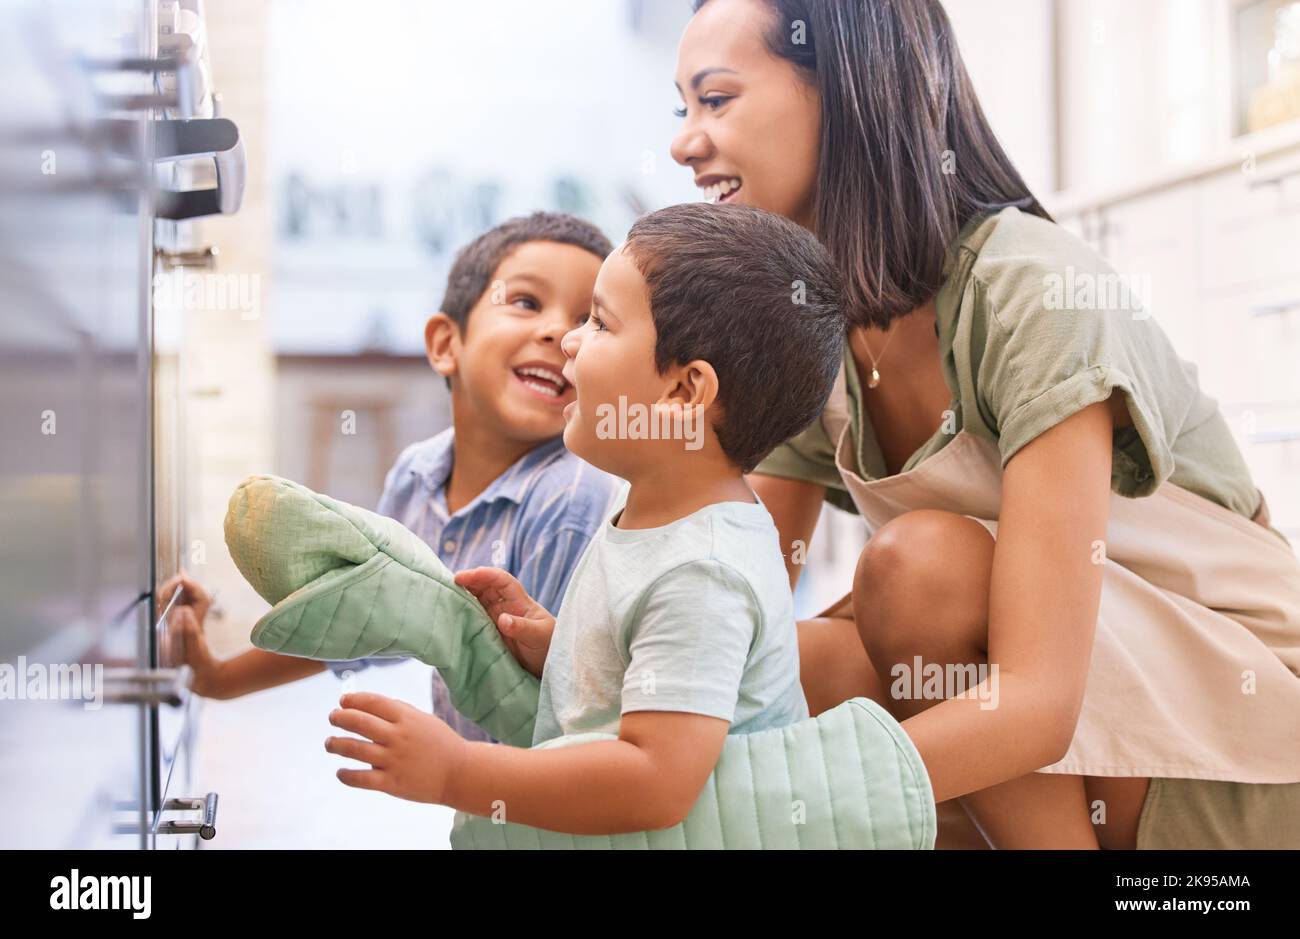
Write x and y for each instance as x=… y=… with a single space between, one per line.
x=354 y=147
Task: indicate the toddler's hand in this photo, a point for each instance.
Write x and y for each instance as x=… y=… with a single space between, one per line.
x=412 y=754
x=524 y=624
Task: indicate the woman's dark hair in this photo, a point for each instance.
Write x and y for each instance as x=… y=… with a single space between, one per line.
x=907 y=156
x=758 y=298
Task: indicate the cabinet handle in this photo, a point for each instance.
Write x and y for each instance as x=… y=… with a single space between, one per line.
x=1268 y=181
x=205 y=828
x=1276 y=436
x=1276 y=309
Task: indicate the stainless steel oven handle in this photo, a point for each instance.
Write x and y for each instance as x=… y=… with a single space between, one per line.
x=180 y=57
x=168 y=686
x=205 y=827
x=215 y=137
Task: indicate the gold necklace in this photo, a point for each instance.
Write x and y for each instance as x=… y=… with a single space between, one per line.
x=874 y=380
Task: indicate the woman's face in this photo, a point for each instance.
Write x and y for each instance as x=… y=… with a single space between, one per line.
x=751 y=130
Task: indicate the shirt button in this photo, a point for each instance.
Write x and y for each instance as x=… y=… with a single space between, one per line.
x=449 y=545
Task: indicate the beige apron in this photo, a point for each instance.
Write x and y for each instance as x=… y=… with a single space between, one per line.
x=1195 y=668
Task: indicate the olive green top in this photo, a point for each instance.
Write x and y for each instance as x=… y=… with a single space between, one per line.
x=1024 y=345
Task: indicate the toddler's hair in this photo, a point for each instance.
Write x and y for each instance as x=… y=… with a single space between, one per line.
x=758 y=298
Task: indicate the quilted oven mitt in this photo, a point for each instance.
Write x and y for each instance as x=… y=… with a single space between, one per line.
x=849 y=778
x=346 y=583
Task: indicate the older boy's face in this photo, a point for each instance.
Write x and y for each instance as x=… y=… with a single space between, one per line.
x=612 y=356
x=509 y=363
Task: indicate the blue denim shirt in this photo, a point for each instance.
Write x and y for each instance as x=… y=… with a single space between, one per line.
x=535 y=521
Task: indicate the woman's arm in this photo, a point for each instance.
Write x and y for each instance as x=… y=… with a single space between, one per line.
x=649 y=778
x=1044 y=597
x=795 y=507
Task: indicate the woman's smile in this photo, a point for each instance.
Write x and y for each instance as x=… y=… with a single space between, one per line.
x=719 y=189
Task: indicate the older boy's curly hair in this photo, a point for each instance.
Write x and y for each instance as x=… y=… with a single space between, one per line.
x=471 y=272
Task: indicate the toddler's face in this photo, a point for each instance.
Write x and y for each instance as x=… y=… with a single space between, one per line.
x=611 y=364
x=509 y=364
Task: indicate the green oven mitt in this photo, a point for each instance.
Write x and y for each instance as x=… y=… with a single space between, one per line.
x=849 y=778
x=345 y=583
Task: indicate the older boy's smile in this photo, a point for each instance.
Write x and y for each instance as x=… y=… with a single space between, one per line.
x=545 y=380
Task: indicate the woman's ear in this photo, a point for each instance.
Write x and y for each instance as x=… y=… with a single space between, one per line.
x=442 y=343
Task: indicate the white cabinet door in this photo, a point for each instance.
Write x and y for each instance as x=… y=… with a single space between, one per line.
x=1252 y=224
x=1252 y=346
x=1269 y=437
x=1153 y=241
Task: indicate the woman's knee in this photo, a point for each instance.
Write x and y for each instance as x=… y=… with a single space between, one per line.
x=920 y=577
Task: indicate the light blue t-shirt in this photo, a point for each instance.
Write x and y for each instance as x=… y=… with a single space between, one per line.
x=695 y=616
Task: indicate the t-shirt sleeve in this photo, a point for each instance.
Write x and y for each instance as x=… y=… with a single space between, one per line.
x=1058 y=340
x=690 y=640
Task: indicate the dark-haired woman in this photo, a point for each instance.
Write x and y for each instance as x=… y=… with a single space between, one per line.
x=1055 y=507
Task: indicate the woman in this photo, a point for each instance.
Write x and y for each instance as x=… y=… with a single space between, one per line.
x=1054 y=505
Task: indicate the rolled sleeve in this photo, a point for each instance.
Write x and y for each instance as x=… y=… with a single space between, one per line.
x=1041 y=365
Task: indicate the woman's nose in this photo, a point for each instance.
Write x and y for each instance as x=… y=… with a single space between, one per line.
x=690 y=145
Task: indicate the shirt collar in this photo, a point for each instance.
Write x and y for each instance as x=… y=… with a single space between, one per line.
x=434 y=469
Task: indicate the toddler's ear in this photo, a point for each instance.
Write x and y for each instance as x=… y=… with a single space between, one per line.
x=442 y=343
x=694 y=384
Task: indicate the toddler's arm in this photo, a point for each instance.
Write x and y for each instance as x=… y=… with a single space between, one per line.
x=647 y=779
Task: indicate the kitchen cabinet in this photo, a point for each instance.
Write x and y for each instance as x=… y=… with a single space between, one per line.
x=1220 y=242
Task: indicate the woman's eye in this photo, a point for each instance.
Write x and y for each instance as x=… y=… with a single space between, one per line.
x=712 y=103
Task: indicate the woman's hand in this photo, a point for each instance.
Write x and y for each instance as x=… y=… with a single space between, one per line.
x=524 y=624
x=412 y=755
